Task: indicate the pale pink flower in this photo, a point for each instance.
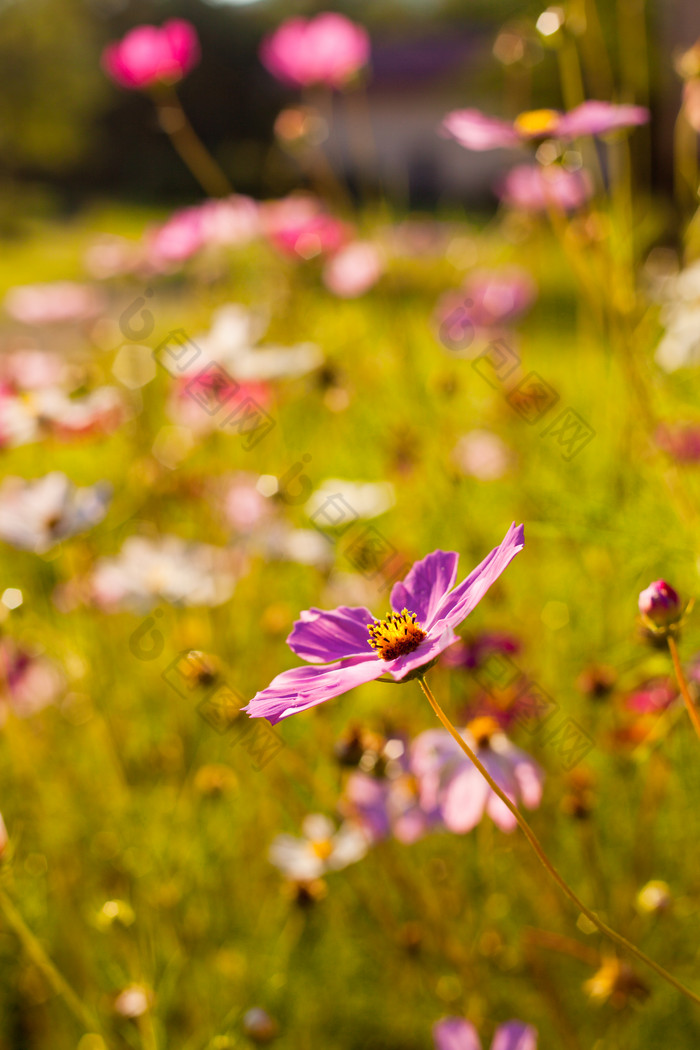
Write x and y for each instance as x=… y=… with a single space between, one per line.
x=482 y=454
x=298 y=226
x=61 y=302
x=353 y=270
x=450 y=781
x=245 y=508
x=29 y=680
x=328 y=49
x=151 y=55
x=36 y=515
x=535 y=188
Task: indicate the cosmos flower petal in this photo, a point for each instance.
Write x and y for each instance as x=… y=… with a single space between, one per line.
x=597 y=118
x=514 y=1035
x=454 y=1033
x=425 y=586
x=320 y=636
x=303 y=687
x=463 y=800
x=456 y=606
x=474 y=130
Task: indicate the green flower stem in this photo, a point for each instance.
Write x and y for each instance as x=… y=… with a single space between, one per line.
x=616 y=938
x=36 y=953
x=682 y=684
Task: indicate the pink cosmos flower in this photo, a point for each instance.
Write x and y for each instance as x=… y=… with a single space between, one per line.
x=535 y=188
x=328 y=49
x=450 y=781
x=476 y=131
x=426 y=608
x=353 y=270
x=230 y=222
x=151 y=55
x=29 y=680
x=454 y=1033
x=298 y=226
x=652 y=696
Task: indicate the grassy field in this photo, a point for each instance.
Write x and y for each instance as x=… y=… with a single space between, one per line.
x=127 y=789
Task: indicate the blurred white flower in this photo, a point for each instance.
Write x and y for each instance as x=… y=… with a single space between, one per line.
x=481 y=454
x=348 y=500
x=168 y=569
x=36 y=515
x=321 y=849
x=232 y=341
x=133 y=1001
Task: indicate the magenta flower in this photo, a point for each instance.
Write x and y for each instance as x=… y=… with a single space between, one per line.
x=535 y=188
x=454 y=1033
x=151 y=55
x=328 y=49
x=426 y=608
x=476 y=131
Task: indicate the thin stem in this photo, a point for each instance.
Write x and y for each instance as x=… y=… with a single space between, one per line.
x=616 y=938
x=173 y=120
x=36 y=953
x=682 y=684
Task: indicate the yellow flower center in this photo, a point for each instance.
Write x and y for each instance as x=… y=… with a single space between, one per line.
x=395 y=636
x=482 y=729
x=536 y=122
x=322 y=848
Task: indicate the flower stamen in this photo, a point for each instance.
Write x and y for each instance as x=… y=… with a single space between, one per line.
x=396 y=635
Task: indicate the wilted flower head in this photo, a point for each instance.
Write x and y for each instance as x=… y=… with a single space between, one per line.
x=36 y=515
x=616 y=982
x=659 y=605
x=259 y=1026
x=328 y=49
x=654 y=896
x=321 y=849
x=454 y=1033
x=426 y=607
x=450 y=781
x=150 y=55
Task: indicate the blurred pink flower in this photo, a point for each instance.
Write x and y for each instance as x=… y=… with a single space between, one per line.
x=476 y=131
x=245 y=508
x=151 y=55
x=29 y=681
x=353 y=270
x=483 y=455
x=298 y=226
x=328 y=49
x=682 y=441
x=691 y=102
x=454 y=1033
x=232 y=221
x=499 y=296
x=449 y=780
x=654 y=695
x=535 y=188
x=61 y=302
x=36 y=515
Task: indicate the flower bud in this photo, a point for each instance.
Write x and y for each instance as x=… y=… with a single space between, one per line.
x=259 y=1026
x=659 y=605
